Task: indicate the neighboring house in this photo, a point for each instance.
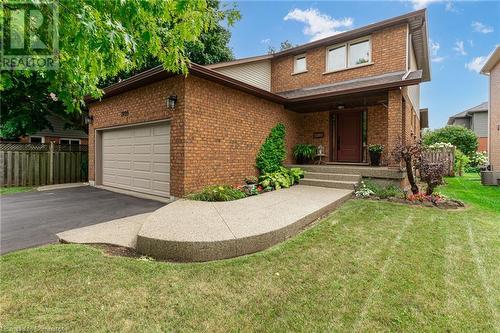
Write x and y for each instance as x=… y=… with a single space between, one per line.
x=475 y=119
x=60 y=133
x=167 y=134
x=492 y=69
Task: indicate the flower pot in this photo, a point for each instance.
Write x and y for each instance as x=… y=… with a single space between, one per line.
x=375 y=158
x=250 y=189
x=302 y=160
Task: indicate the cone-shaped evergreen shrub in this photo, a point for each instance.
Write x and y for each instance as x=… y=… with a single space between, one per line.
x=272 y=153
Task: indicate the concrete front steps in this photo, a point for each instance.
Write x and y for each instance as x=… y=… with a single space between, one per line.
x=328 y=176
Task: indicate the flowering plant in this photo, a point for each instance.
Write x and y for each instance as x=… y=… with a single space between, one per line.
x=363 y=191
x=434 y=198
x=440 y=145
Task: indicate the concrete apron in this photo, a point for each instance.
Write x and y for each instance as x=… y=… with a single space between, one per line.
x=190 y=231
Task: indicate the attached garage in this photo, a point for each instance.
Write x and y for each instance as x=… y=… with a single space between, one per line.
x=137 y=158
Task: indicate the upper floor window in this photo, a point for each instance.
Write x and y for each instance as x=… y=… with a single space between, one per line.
x=348 y=55
x=300 y=64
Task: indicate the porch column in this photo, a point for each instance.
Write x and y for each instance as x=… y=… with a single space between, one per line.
x=394 y=125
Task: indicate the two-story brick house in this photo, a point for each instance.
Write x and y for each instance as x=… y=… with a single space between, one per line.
x=168 y=135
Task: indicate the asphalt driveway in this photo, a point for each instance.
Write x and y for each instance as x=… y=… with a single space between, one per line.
x=33 y=219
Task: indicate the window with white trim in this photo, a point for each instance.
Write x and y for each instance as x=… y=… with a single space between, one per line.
x=300 y=64
x=36 y=139
x=351 y=54
x=336 y=58
x=69 y=141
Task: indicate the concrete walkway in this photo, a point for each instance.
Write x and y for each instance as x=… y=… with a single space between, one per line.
x=121 y=232
x=187 y=230
x=201 y=231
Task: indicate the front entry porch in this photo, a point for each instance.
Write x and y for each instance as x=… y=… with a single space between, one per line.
x=345 y=126
x=349 y=176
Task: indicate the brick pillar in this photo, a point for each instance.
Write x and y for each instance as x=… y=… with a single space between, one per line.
x=394 y=124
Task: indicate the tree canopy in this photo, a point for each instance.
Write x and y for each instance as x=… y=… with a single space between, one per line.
x=98 y=40
x=459 y=136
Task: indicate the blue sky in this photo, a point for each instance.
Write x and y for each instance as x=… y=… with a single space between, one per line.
x=462 y=34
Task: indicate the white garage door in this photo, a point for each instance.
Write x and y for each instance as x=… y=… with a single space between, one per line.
x=137 y=158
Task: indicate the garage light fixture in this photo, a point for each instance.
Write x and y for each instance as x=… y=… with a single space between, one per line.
x=88 y=120
x=171 y=100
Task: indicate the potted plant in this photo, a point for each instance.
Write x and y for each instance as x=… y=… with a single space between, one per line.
x=375 y=153
x=250 y=187
x=303 y=152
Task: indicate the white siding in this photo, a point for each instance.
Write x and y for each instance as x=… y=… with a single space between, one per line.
x=414 y=95
x=413 y=91
x=412 y=64
x=462 y=122
x=256 y=73
x=480 y=124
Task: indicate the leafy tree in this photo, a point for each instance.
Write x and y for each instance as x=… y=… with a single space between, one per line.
x=272 y=153
x=459 y=136
x=211 y=47
x=100 y=39
x=284 y=45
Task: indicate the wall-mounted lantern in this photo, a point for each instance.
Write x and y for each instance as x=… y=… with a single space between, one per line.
x=88 y=120
x=171 y=101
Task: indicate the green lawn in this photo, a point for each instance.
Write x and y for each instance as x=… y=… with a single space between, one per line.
x=12 y=190
x=370 y=266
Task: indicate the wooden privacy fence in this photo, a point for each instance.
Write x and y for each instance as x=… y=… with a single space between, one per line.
x=35 y=164
x=446 y=155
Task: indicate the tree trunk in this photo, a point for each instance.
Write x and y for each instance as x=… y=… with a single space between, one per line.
x=411 y=177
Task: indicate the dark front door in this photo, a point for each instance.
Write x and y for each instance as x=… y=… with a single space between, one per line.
x=348 y=136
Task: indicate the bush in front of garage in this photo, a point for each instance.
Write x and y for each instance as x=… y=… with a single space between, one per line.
x=217 y=193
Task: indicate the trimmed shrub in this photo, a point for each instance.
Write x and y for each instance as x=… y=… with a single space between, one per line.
x=461 y=137
x=272 y=153
x=217 y=193
x=432 y=173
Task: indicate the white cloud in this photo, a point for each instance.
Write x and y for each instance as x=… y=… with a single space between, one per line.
x=434 y=52
x=459 y=47
x=319 y=25
x=482 y=28
x=419 y=4
x=450 y=7
x=437 y=59
x=266 y=41
x=476 y=64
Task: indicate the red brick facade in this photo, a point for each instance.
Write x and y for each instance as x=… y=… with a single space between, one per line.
x=144 y=104
x=483 y=144
x=388 y=55
x=212 y=141
x=216 y=130
x=223 y=138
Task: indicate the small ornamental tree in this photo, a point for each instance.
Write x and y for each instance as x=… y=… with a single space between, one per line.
x=410 y=154
x=459 y=136
x=432 y=173
x=272 y=153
